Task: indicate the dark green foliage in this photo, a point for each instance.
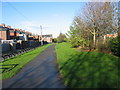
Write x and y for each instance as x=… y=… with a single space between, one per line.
x=55 y=40
x=75 y=39
x=115 y=46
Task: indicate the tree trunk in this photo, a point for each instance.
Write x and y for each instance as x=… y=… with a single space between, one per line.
x=94 y=38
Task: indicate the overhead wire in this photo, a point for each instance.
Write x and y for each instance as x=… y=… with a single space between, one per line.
x=18 y=11
x=25 y=17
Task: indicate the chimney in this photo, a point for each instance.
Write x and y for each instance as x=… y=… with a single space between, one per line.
x=3 y=25
x=8 y=26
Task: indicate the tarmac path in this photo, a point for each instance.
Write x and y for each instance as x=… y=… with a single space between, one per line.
x=42 y=72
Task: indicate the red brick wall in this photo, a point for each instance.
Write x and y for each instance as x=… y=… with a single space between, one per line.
x=12 y=34
x=0 y=34
x=17 y=34
x=3 y=35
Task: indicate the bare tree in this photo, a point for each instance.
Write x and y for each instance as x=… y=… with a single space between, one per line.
x=96 y=20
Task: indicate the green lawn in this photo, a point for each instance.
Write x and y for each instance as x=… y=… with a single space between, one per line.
x=11 y=66
x=87 y=69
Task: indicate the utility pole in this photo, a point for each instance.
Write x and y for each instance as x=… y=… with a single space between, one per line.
x=41 y=34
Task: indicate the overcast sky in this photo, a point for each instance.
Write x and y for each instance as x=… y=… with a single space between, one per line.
x=55 y=17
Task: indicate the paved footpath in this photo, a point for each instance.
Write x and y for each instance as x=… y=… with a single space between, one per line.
x=42 y=72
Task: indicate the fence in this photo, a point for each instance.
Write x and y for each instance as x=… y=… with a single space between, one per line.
x=13 y=49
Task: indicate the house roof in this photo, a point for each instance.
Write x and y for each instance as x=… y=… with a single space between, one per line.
x=3 y=28
x=28 y=32
x=49 y=35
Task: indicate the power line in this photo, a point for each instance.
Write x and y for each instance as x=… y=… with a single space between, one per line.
x=18 y=11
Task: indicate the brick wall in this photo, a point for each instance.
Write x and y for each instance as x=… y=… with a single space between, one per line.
x=3 y=35
x=0 y=34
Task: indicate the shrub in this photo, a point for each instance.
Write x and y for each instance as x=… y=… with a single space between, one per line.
x=77 y=41
x=103 y=46
x=61 y=38
x=114 y=45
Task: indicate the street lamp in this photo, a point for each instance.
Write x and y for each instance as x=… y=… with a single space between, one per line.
x=41 y=35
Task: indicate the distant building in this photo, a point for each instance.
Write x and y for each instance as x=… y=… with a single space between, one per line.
x=47 y=38
x=12 y=33
x=36 y=37
x=30 y=36
x=8 y=33
x=23 y=37
x=4 y=32
x=110 y=35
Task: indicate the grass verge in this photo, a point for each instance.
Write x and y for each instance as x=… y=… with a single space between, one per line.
x=11 y=66
x=87 y=69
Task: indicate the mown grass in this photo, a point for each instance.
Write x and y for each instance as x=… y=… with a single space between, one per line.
x=87 y=69
x=11 y=66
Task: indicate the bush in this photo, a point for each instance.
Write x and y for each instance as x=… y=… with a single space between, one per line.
x=77 y=41
x=114 y=45
x=61 y=38
x=103 y=46
x=74 y=42
x=55 y=40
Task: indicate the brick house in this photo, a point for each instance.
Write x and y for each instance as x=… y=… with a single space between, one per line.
x=17 y=33
x=30 y=36
x=23 y=35
x=47 y=38
x=8 y=33
x=110 y=35
x=4 y=32
x=12 y=33
x=36 y=37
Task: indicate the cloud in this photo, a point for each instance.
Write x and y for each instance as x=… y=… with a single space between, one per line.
x=34 y=27
x=48 y=27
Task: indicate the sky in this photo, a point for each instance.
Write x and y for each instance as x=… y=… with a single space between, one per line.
x=54 y=17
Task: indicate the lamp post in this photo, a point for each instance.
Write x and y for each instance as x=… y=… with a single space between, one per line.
x=41 y=35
